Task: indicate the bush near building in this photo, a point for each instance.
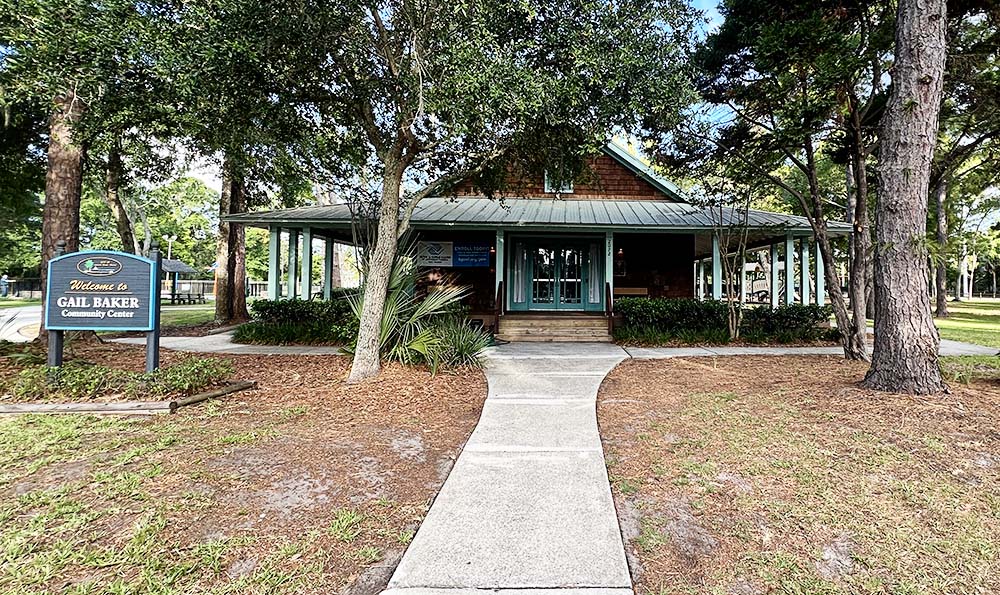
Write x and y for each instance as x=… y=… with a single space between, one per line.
x=664 y=320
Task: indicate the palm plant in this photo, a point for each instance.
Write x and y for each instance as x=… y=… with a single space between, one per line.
x=409 y=327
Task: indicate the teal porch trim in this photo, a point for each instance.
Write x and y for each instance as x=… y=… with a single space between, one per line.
x=328 y=255
x=293 y=263
x=716 y=268
x=789 y=269
x=804 y=269
x=307 y=261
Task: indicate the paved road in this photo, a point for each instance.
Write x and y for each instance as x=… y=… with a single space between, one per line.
x=20 y=324
x=528 y=505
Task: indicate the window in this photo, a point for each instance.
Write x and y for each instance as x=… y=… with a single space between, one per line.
x=565 y=188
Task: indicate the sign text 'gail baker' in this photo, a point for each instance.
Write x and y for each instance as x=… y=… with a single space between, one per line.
x=100 y=291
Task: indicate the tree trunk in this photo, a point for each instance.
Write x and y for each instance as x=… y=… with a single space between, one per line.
x=905 y=358
x=63 y=185
x=112 y=196
x=860 y=285
x=941 y=270
x=230 y=269
x=367 y=353
x=852 y=329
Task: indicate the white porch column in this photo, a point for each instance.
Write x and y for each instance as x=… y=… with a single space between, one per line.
x=700 y=280
x=307 y=263
x=775 y=285
x=804 y=266
x=716 y=269
x=274 y=264
x=789 y=270
x=743 y=278
x=293 y=264
x=609 y=265
x=501 y=260
x=820 y=278
x=328 y=255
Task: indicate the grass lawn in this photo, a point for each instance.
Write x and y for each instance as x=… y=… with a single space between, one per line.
x=301 y=486
x=976 y=321
x=17 y=302
x=187 y=315
x=780 y=475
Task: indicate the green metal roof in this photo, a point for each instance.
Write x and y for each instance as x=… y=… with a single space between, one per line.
x=543 y=215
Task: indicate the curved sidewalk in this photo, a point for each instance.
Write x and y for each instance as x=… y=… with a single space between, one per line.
x=528 y=505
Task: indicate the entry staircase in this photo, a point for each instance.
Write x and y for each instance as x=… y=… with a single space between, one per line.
x=569 y=327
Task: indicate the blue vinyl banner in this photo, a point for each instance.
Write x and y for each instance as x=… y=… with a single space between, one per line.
x=470 y=255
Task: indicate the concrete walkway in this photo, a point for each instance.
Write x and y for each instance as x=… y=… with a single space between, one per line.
x=223 y=343
x=528 y=505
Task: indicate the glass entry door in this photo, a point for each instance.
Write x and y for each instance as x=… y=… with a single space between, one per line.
x=550 y=275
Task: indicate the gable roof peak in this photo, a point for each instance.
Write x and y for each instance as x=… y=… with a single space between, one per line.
x=631 y=159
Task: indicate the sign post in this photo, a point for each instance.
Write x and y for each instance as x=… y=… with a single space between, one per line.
x=103 y=290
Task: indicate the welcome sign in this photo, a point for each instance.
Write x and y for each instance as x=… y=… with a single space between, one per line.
x=101 y=291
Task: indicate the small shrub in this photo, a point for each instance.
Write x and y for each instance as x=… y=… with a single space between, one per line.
x=458 y=342
x=79 y=381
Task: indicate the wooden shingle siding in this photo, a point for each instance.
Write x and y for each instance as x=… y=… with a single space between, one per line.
x=607 y=180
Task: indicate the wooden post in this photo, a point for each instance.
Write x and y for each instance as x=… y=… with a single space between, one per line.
x=54 y=357
x=716 y=268
x=274 y=264
x=775 y=286
x=307 y=262
x=293 y=263
x=804 y=269
x=789 y=270
x=328 y=255
x=153 y=336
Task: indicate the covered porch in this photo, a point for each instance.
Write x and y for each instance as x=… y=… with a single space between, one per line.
x=562 y=257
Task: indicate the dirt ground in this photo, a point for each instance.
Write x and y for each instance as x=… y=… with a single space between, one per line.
x=301 y=486
x=780 y=475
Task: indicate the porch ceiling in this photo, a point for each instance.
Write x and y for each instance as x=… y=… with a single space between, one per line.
x=545 y=214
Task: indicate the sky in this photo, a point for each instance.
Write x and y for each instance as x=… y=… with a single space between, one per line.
x=711 y=9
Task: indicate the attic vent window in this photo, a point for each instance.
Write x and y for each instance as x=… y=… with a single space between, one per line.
x=557 y=188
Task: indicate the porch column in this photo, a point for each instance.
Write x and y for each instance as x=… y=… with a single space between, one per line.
x=328 y=256
x=789 y=270
x=775 y=286
x=716 y=269
x=804 y=267
x=500 y=261
x=274 y=264
x=820 y=278
x=699 y=282
x=743 y=278
x=293 y=264
x=307 y=263
x=609 y=265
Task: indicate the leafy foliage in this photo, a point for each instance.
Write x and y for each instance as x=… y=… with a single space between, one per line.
x=80 y=381
x=283 y=322
x=661 y=320
x=424 y=328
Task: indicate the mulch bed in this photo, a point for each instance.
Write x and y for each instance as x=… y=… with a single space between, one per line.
x=268 y=469
x=781 y=474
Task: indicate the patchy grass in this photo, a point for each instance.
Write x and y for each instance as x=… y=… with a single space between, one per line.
x=968 y=368
x=780 y=475
x=976 y=321
x=255 y=493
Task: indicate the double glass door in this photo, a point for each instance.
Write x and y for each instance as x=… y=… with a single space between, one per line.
x=556 y=276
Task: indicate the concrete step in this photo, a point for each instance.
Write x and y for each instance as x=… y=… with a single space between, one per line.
x=553 y=338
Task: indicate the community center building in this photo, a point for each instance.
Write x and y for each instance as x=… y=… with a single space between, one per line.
x=548 y=263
